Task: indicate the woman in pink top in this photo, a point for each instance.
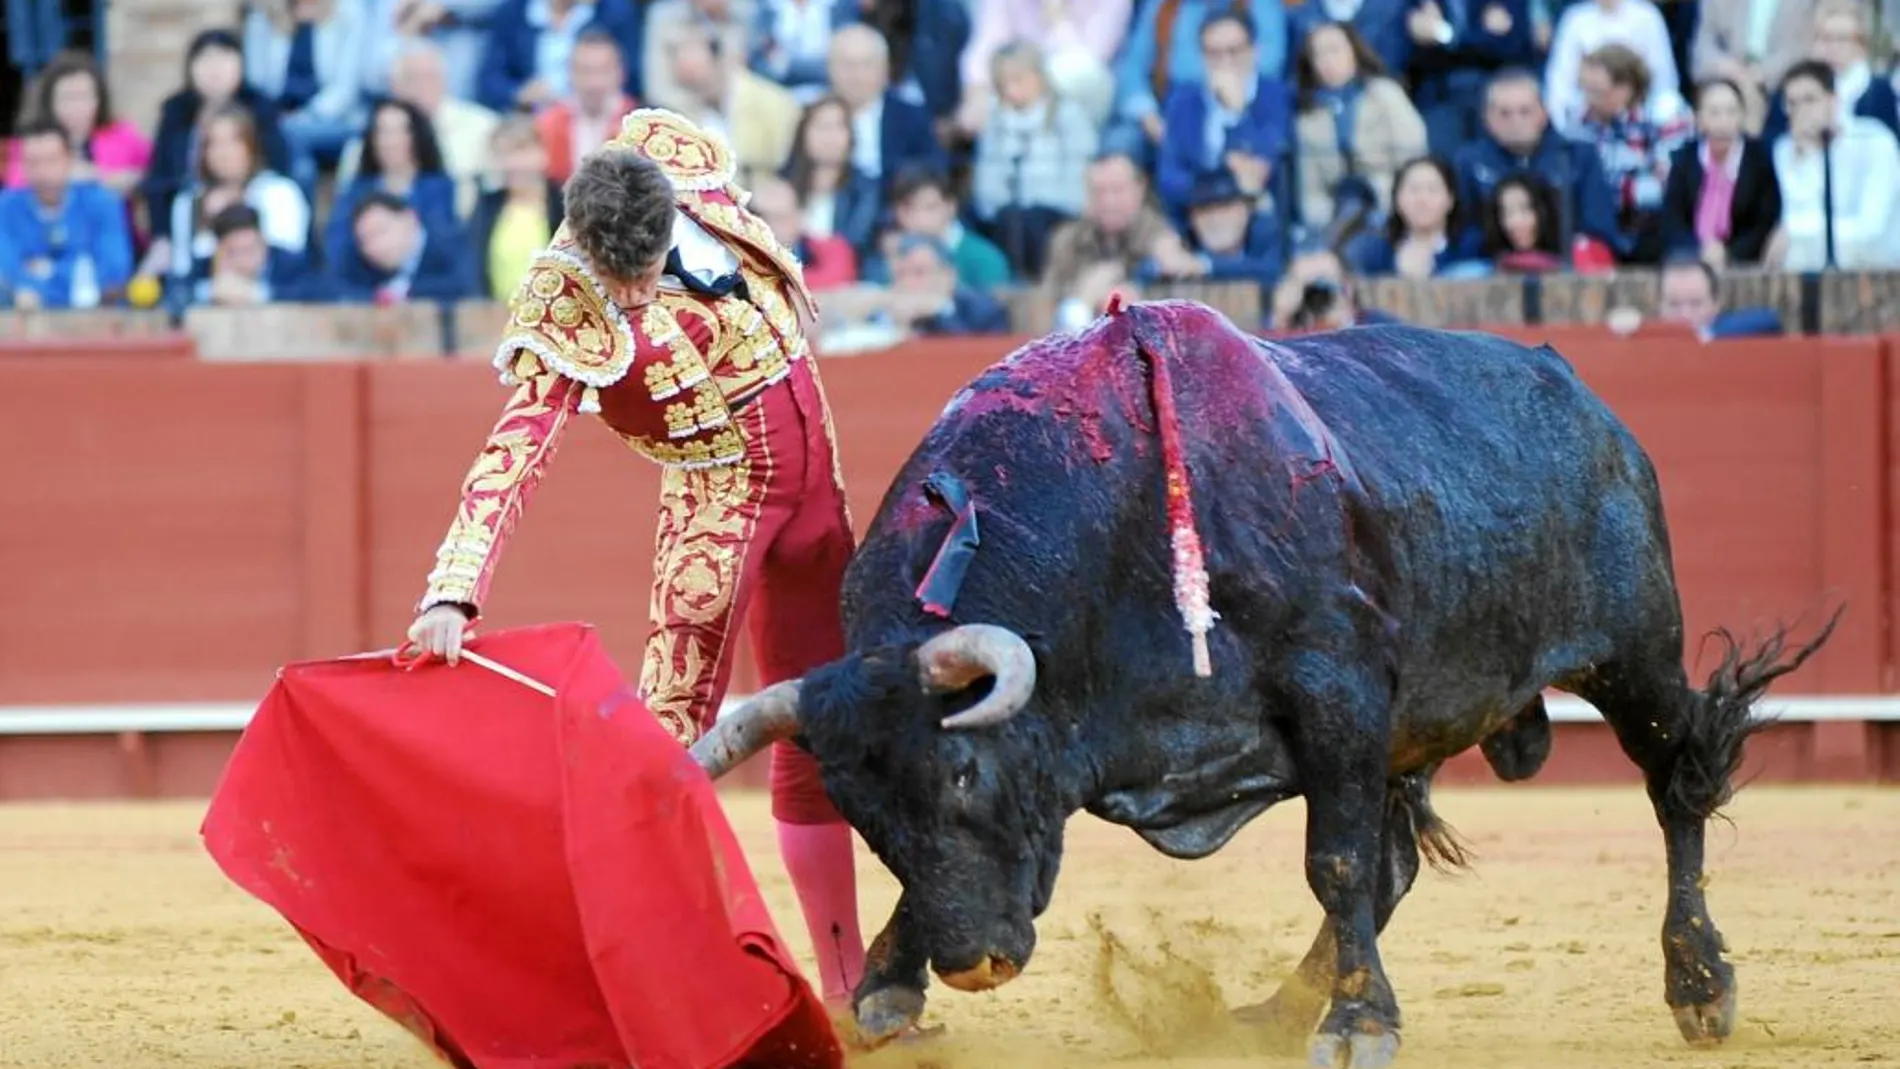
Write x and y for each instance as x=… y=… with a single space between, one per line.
x=1722 y=201
x=71 y=92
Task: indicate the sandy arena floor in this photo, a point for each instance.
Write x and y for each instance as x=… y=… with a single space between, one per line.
x=122 y=946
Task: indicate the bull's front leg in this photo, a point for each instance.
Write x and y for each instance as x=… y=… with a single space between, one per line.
x=890 y=998
x=1343 y=744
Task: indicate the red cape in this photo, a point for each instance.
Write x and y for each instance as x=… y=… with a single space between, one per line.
x=524 y=882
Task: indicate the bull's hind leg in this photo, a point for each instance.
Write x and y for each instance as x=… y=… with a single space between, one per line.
x=1411 y=828
x=1689 y=745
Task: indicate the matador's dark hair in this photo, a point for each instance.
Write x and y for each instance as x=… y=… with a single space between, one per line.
x=620 y=211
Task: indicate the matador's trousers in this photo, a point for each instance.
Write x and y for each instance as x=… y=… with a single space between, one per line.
x=763 y=541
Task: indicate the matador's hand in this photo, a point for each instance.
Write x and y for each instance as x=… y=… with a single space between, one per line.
x=438 y=632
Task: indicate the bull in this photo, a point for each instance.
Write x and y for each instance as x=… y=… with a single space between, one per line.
x=1410 y=535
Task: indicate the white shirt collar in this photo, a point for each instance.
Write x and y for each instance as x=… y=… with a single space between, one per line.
x=701 y=253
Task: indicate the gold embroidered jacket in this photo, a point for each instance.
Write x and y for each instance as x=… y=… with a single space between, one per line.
x=664 y=378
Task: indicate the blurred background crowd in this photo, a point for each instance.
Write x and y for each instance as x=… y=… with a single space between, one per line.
x=926 y=156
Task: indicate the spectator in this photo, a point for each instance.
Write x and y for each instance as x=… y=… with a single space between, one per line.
x=1382 y=24
x=926 y=39
x=1231 y=241
x=1118 y=230
x=1692 y=297
x=1635 y=133
x=791 y=42
x=1751 y=43
x=1864 y=160
x=245 y=269
x=462 y=129
x=231 y=170
x=457 y=30
x=1036 y=145
x=64 y=242
x=1078 y=40
x=401 y=158
x=1163 y=48
x=838 y=198
x=306 y=57
x=510 y=224
x=1455 y=51
x=590 y=115
x=392 y=258
x=756 y=116
x=1523 y=231
x=732 y=20
x=1722 y=201
x=1425 y=234
x=829 y=262
x=529 y=45
x=107 y=150
x=214 y=77
x=1586 y=27
x=930 y=299
x=887 y=130
x=923 y=202
x=1239 y=121
x=1315 y=294
x=1355 y=127
x=1518 y=137
x=1840 y=41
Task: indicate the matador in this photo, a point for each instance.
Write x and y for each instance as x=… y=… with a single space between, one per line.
x=671 y=312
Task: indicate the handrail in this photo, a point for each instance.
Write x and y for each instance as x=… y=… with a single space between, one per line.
x=163 y=718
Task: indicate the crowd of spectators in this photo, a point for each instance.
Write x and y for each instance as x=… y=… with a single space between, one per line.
x=925 y=155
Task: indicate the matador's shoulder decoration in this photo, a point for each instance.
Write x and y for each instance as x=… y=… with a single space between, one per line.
x=562 y=318
x=704 y=175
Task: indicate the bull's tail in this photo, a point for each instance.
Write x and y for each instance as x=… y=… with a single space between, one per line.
x=1409 y=800
x=1722 y=717
x=1156 y=342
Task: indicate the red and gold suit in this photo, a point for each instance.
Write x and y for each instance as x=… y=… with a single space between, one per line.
x=723 y=393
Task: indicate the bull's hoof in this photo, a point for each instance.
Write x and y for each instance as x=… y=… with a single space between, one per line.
x=1361 y=1050
x=1708 y=1024
x=888 y=1014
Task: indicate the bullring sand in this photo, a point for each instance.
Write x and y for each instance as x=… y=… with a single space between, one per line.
x=121 y=945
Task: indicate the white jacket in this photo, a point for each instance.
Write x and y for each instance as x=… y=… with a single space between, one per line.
x=1865 y=160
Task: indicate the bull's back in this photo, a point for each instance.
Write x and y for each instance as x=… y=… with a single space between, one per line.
x=1523 y=519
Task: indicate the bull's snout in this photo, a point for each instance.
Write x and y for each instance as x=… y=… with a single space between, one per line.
x=992 y=972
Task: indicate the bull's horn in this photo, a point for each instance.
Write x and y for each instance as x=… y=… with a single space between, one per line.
x=765 y=718
x=963 y=655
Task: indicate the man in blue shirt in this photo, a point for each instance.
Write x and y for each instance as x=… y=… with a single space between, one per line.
x=1692 y=297
x=393 y=259
x=1456 y=47
x=1164 y=48
x=63 y=244
x=1518 y=137
x=1237 y=121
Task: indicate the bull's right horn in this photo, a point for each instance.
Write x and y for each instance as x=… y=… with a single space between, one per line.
x=765 y=718
x=962 y=655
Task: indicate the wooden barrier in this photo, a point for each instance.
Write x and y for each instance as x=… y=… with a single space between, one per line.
x=179 y=529
x=1836 y=303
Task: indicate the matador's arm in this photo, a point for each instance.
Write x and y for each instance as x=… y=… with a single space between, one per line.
x=498 y=487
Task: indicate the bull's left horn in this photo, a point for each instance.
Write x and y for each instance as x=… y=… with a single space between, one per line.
x=765 y=718
x=963 y=655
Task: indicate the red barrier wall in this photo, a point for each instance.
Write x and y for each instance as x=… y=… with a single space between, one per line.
x=181 y=529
